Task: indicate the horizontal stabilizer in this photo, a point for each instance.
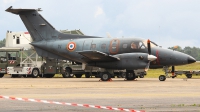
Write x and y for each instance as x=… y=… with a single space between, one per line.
x=97 y=56
x=18 y=11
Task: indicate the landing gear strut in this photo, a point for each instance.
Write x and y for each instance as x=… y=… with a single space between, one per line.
x=166 y=70
x=163 y=77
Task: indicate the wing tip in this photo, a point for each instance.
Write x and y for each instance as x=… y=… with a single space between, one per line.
x=8 y=8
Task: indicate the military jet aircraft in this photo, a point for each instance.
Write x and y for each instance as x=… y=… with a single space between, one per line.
x=107 y=53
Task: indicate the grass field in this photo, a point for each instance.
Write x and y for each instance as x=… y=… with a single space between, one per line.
x=154 y=73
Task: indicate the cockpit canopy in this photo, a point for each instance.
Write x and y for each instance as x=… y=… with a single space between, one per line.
x=140 y=44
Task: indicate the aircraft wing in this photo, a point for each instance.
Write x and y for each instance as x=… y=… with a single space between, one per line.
x=97 y=56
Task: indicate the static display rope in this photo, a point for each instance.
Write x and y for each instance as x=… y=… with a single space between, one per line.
x=71 y=104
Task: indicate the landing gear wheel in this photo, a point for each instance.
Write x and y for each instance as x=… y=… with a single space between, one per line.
x=78 y=75
x=105 y=76
x=123 y=75
x=87 y=75
x=189 y=75
x=67 y=73
x=162 y=78
x=49 y=75
x=1 y=75
x=130 y=76
x=141 y=75
x=35 y=73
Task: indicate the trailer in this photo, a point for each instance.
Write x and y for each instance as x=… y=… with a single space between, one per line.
x=187 y=73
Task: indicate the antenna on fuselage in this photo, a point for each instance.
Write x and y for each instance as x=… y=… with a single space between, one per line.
x=108 y=35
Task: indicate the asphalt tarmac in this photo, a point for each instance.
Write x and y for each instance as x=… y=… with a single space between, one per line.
x=147 y=94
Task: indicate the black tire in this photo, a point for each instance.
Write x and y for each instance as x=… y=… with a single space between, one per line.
x=123 y=75
x=130 y=75
x=189 y=75
x=141 y=75
x=49 y=75
x=105 y=76
x=1 y=75
x=78 y=75
x=67 y=73
x=35 y=73
x=162 y=78
x=87 y=75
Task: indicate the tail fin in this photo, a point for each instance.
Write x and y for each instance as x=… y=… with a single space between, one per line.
x=38 y=27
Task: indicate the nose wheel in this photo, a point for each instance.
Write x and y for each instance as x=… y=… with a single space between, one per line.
x=162 y=77
x=166 y=70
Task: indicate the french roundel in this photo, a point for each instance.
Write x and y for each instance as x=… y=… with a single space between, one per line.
x=71 y=46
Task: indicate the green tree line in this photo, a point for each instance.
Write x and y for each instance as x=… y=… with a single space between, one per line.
x=2 y=42
x=192 y=51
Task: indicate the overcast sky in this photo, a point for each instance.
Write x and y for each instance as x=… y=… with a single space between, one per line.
x=166 y=22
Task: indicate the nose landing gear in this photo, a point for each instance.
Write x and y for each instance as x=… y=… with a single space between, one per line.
x=166 y=70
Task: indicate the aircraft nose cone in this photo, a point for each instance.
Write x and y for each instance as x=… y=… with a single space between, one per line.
x=191 y=60
x=152 y=57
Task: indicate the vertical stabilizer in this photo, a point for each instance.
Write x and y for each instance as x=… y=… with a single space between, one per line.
x=38 y=27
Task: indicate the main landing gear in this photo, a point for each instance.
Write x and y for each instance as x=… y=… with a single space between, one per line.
x=105 y=76
x=130 y=75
